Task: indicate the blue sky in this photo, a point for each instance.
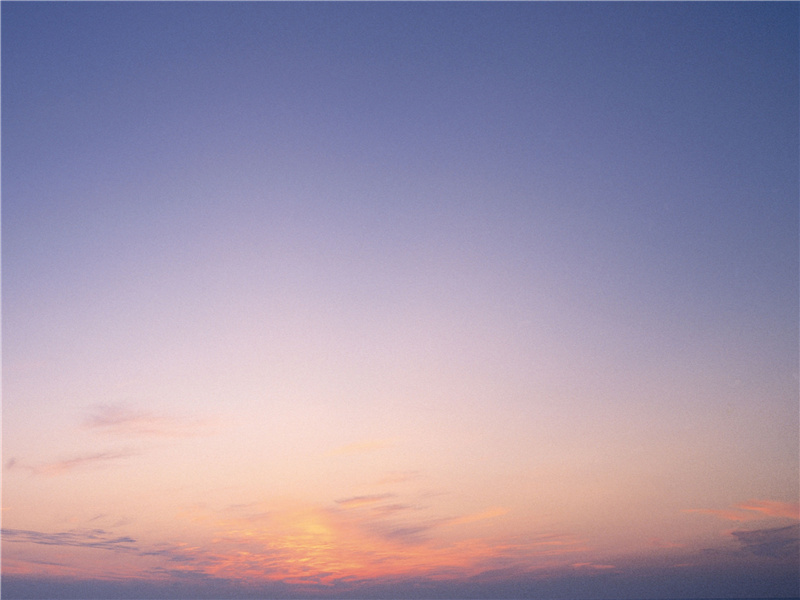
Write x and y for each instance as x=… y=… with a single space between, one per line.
x=411 y=294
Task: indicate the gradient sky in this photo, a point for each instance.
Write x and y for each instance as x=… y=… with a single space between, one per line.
x=400 y=300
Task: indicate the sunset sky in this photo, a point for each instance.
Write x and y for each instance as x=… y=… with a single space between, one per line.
x=400 y=300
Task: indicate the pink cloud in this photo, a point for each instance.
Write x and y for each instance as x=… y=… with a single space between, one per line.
x=120 y=420
x=753 y=510
x=358 y=501
x=82 y=461
x=772 y=508
x=589 y=565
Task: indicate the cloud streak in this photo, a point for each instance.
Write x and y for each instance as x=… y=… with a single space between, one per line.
x=85 y=538
x=753 y=510
x=67 y=465
x=118 y=420
x=359 y=501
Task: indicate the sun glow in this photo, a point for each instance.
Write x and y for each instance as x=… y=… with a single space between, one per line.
x=326 y=545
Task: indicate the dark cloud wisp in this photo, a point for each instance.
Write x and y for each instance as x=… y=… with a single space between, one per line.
x=781 y=543
x=86 y=538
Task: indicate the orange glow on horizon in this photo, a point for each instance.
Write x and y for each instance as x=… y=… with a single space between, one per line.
x=319 y=546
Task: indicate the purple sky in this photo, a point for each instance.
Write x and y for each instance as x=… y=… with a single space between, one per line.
x=400 y=299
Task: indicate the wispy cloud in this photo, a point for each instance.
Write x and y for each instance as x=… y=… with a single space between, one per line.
x=82 y=461
x=359 y=501
x=87 y=538
x=416 y=531
x=593 y=566
x=123 y=421
x=753 y=510
x=177 y=553
x=115 y=421
x=772 y=508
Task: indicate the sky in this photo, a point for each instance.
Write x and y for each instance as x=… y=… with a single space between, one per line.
x=400 y=300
